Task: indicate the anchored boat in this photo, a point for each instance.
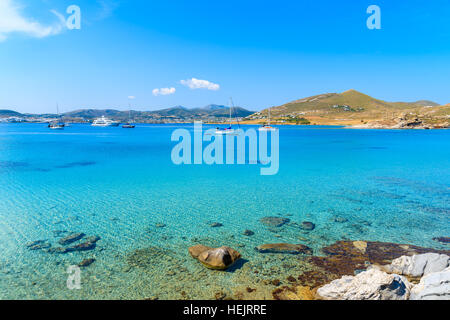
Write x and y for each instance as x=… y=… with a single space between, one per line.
x=57 y=124
x=268 y=127
x=230 y=129
x=104 y=122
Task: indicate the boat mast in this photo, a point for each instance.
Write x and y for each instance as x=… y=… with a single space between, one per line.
x=57 y=112
x=129 y=112
x=231 y=100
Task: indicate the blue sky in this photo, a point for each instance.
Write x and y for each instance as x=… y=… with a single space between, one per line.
x=262 y=53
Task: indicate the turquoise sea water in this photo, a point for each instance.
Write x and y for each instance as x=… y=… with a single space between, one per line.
x=389 y=185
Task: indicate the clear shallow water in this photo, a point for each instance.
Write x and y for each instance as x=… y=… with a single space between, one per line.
x=391 y=186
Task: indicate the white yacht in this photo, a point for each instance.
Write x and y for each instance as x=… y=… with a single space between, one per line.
x=104 y=122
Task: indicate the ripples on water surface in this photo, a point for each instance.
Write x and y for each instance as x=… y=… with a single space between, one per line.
x=385 y=185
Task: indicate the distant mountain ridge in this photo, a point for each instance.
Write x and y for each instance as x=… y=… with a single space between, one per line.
x=179 y=112
x=9 y=113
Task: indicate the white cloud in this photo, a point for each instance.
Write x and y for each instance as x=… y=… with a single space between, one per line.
x=163 y=91
x=131 y=97
x=200 y=84
x=12 y=21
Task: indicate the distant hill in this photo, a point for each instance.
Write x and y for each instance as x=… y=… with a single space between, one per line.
x=92 y=113
x=180 y=112
x=426 y=103
x=348 y=101
x=352 y=107
x=213 y=107
x=9 y=113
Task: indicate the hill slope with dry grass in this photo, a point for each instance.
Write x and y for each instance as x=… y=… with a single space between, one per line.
x=355 y=108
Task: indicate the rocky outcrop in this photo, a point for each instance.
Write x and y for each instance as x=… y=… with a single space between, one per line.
x=196 y=250
x=390 y=283
x=433 y=286
x=215 y=258
x=284 y=248
x=419 y=265
x=346 y=257
x=373 y=284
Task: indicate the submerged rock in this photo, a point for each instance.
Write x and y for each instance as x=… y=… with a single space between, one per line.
x=59 y=250
x=38 y=245
x=308 y=226
x=215 y=258
x=248 y=233
x=274 y=221
x=372 y=284
x=147 y=258
x=216 y=225
x=71 y=238
x=442 y=239
x=340 y=219
x=195 y=251
x=433 y=286
x=160 y=225
x=419 y=265
x=89 y=244
x=284 y=248
x=86 y=262
x=85 y=246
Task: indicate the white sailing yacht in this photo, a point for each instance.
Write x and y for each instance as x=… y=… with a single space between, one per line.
x=230 y=129
x=268 y=127
x=57 y=124
x=129 y=124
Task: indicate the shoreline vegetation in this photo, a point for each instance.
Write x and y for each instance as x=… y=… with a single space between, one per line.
x=350 y=109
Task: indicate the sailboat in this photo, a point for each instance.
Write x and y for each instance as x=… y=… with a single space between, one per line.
x=128 y=125
x=57 y=125
x=230 y=129
x=267 y=127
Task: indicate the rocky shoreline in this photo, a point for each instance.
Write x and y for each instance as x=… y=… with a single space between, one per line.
x=351 y=270
x=282 y=271
x=396 y=281
x=403 y=123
